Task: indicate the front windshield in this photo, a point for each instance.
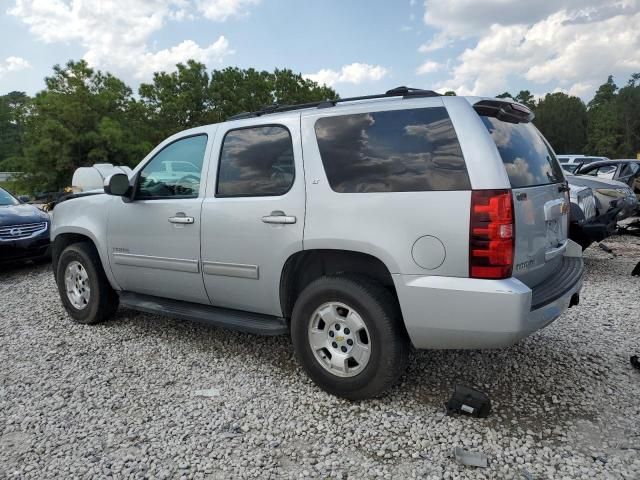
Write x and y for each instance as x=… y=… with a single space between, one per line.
x=7 y=199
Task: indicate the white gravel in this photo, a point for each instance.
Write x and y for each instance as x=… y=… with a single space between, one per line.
x=150 y=397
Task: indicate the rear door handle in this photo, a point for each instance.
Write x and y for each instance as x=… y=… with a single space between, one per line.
x=279 y=218
x=182 y=219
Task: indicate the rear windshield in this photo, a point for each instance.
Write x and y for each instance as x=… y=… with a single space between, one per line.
x=527 y=157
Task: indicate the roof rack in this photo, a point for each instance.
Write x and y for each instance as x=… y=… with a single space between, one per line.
x=404 y=92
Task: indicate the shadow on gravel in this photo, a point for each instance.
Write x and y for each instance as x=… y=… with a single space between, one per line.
x=11 y=272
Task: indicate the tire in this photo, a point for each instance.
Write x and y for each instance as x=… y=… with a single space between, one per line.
x=345 y=298
x=101 y=302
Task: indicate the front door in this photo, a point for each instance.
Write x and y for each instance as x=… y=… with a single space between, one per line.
x=253 y=216
x=154 y=239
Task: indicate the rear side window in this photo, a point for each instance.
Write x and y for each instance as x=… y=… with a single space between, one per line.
x=392 y=151
x=256 y=161
x=526 y=156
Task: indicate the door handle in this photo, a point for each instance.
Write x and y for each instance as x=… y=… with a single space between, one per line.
x=279 y=218
x=182 y=219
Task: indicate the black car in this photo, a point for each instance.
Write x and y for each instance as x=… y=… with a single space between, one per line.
x=625 y=171
x=24 y=230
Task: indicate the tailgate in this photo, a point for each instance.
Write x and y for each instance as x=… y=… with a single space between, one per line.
x=542 y=229
x=540 y=193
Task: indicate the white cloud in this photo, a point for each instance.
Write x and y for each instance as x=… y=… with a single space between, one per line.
x=428 y=67
x=221 y=10
x=354 y=73
x=439 y=41
x=115 y=34
x=13 y=64
x=572 y=44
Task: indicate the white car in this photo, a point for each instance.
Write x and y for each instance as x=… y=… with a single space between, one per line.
x=571 y=162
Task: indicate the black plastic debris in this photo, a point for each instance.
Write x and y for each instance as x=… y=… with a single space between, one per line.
x=636 y=271
x=635 y=361
x=468 y=401
x=606 y=248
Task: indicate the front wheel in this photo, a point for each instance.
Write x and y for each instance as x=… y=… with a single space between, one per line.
x=347 y=332
x=83 y=286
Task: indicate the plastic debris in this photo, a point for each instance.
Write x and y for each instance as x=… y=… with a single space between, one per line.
x=605 y=248
x=635 y=361
x=209 y=392
x=526 y=474
x=636 y=271
x=470 y=459
x=468 y=401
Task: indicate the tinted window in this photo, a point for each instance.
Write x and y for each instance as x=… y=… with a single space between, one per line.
x=256 y=161
x=6 y=198
x=157 y=181
x=392 y=151
x=527 y=157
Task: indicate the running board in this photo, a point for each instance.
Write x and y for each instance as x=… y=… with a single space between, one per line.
x=256 y=323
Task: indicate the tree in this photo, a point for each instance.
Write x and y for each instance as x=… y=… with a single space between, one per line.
x=562 y=119
x=13 y=108
x=504 y=95
x=604 y=130
x=178 y=100
x=81 y=118
x=526 y=98
x=234 y=90
x=449 y=93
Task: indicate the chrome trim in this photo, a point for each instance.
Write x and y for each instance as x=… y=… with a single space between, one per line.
x=11 y=233
x=553 y=209
x=230 y=270
x=182 y=220
x=163 y=263
x=554 y=252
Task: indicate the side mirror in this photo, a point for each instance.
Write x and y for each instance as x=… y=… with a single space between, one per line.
x=117 y=184
x=24 y=199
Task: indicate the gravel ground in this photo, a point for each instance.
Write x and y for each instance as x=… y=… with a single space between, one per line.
x=146 y=396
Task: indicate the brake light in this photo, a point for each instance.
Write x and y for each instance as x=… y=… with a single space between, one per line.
x=491 y=234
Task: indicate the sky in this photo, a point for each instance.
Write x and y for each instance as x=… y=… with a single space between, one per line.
x=358 y=47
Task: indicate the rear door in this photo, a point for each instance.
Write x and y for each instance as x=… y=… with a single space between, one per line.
x=254 y=212
x=540 y=198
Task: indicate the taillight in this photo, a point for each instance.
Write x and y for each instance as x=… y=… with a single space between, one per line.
x=491 y=234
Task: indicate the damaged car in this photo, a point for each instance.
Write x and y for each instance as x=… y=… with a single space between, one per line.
x=586 y=226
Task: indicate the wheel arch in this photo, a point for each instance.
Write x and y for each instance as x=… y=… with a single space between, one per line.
x=77 y=235
x=304 y=266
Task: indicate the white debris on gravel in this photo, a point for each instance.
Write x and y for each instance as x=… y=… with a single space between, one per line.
x=121 y=399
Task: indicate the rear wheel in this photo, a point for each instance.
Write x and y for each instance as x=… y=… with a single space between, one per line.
x=83 y=286
x=348 y=334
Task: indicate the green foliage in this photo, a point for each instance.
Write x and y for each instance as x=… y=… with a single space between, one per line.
x=84 y=116
x=449 y=93
x=562 y=119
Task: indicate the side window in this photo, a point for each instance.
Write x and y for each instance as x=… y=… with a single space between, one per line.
x=392 y=151
x=175 y=171
x=256 y=161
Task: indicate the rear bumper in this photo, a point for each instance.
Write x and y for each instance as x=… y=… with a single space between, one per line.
x=466 y=313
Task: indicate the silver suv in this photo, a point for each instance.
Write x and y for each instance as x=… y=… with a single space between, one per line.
x=358 y=226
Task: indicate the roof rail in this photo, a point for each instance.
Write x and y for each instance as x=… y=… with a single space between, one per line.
x=404 y=92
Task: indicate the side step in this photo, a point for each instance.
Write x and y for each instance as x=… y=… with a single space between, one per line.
x=256 y=323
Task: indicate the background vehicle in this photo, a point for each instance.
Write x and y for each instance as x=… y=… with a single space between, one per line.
x=571 y=163
x=410 y=218
x=586 y=225
x=609 y=194
x=24 y=230
x=625 y=171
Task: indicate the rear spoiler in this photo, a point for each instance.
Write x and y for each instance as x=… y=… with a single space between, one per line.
x=510 y=112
